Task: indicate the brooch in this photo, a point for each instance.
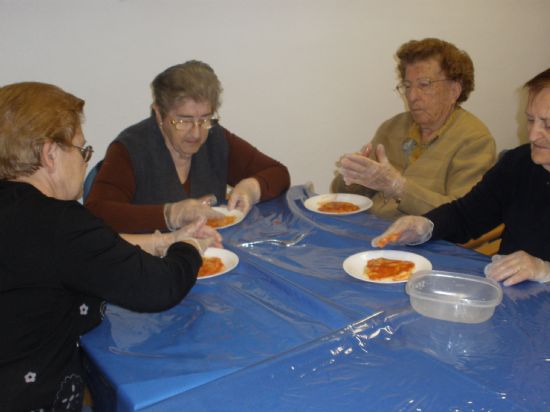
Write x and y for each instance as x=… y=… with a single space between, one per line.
x=408 y=146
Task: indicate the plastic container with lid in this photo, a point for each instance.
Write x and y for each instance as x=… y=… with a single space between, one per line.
x=453 y=296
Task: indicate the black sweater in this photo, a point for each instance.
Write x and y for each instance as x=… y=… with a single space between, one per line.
x=58 y=263
x=515 y=192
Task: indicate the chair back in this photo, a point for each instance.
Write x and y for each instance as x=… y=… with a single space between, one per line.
x=88 y=182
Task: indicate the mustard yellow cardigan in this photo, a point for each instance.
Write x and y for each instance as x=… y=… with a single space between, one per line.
x=447 y=169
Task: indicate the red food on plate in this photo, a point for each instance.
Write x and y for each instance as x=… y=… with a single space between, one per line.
x=338 y=207
x=210 y=266
x=221 y=222
x=388 y=269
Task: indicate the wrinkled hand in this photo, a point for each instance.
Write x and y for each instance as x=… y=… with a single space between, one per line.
x=244 y=195
x=378 y=175
x=517 y=267
x=185 y=211
x=407 y=230
x=200 y=231
x=196 y=233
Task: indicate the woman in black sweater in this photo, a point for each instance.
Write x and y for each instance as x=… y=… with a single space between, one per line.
x=59 y=263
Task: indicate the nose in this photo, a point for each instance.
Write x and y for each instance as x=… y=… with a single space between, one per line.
x=412 y=93
x=196 y=129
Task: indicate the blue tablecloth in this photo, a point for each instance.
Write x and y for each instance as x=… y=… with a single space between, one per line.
x=288 y=329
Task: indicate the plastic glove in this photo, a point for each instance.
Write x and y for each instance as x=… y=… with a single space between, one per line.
x=407 y=230
x=198 y=230
x=517 y=267
x=378 y=175
x=366 y=150
x=162 y=242
x=185 y=211
x=197 y=234
x=244 y=195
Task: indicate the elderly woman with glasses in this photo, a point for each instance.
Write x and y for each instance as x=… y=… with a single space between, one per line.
x=516 y=192
x=59 y=263
x=163 y=171
x=434 y=152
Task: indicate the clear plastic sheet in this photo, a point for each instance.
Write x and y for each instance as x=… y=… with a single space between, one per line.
x=288 y=329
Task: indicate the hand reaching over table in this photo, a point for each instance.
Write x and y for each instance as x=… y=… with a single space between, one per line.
x=517 y=267
x=407 y=230
x=196 y=233
x=180 y=213
x=201 y=233
x=244 y=195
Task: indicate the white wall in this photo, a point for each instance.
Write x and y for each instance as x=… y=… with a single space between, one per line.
x=304 y=80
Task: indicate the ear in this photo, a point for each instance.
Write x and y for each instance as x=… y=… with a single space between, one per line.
x=49 y=155
x=456 y=89
x=157 y=112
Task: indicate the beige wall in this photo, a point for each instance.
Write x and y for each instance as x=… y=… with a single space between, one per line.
x=305 y=80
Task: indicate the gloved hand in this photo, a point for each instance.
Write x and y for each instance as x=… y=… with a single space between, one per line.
x=185 y=211
x=197 y=234
x=517 y=267
x=407 y=230
x=378 y=175
x=244 y=195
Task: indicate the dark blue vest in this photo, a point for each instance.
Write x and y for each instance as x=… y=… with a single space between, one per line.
x=155 y=173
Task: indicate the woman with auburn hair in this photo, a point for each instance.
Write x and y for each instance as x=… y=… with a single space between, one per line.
x=431 y=154
x=59 y=263
x=516 y=192
x=455 y=63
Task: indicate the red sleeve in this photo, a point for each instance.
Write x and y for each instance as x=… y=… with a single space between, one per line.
x=247 y=161
x=112 y=193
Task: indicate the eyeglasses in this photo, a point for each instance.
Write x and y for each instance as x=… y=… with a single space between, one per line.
x=423 y=85
x=86 y=151
x=205 y=123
